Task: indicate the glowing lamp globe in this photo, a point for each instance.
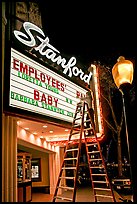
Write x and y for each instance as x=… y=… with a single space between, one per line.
x=122 y=72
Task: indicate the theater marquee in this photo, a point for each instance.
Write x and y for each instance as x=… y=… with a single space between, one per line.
x=35 y=88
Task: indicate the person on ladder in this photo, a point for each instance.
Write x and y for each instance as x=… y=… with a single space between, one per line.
x=88 y=99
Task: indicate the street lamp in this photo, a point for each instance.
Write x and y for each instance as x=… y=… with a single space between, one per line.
x=122 y=72
x=123 y=76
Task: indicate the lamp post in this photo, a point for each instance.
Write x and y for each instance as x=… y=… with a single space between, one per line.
x=123 y=76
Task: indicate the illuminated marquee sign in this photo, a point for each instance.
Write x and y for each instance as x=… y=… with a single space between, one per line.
x=40 y=43
x=35 y=88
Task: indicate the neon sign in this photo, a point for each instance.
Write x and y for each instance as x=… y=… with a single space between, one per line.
x=45 y=49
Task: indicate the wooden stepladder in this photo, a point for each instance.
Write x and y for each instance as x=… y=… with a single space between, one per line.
x=67 y=181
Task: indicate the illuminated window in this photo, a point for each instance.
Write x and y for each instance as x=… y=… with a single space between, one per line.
x=36 y=170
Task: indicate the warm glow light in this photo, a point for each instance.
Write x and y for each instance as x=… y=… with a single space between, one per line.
x=38 y=141
x=51 y=131
x=23 y=134
x=57 y=138
x=122 y=72
x=41 y=137
x=45 y=144
x=35 y=133
x=98 y=104
x=18 y=122
x=66 y=130
x=45 y=126
x=26 y=128
x=32 y=138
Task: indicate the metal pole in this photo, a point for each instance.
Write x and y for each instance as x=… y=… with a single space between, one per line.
x=127 y=138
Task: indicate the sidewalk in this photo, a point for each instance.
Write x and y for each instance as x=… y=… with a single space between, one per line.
x=83 y=194
x=117 y=196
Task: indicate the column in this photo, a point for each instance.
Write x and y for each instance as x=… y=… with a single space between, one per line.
x=55 y=161
x=9 y=159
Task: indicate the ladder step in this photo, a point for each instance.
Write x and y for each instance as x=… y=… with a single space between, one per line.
x=90 y=136
x=74 y=133
x=70 y=150
x=93 y=152
x=94 y=159
x=77 y=118
x=77 y=125
x=100 y=182
x=63 y=198
x=87 y=121
x=85 y=129
x=65 y=187
x=74 y=167
x=70 y=141
x=79 y=104
x=103 y=189
x=66 y=159
x=65 y=177
x=91 y=144
x=98 y=174
x=96 y=167
x=105 y=196
x=77 y=111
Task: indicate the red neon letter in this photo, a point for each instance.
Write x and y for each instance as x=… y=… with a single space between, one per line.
x=36 y=95
x=15 y=64
x=50 y=100
x=43 y=98
x=56 y=102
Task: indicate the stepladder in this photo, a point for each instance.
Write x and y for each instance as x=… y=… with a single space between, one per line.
x=83 y=131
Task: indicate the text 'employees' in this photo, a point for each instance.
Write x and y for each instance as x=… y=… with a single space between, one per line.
x=30 y=71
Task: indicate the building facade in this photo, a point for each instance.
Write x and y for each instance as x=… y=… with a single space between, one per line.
x=38 y=88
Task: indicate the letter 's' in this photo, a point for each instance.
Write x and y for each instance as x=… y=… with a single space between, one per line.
x=30 y=41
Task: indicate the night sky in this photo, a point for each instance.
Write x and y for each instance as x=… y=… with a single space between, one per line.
x=91 y=30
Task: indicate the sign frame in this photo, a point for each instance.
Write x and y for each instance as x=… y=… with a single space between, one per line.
x=25 y=113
